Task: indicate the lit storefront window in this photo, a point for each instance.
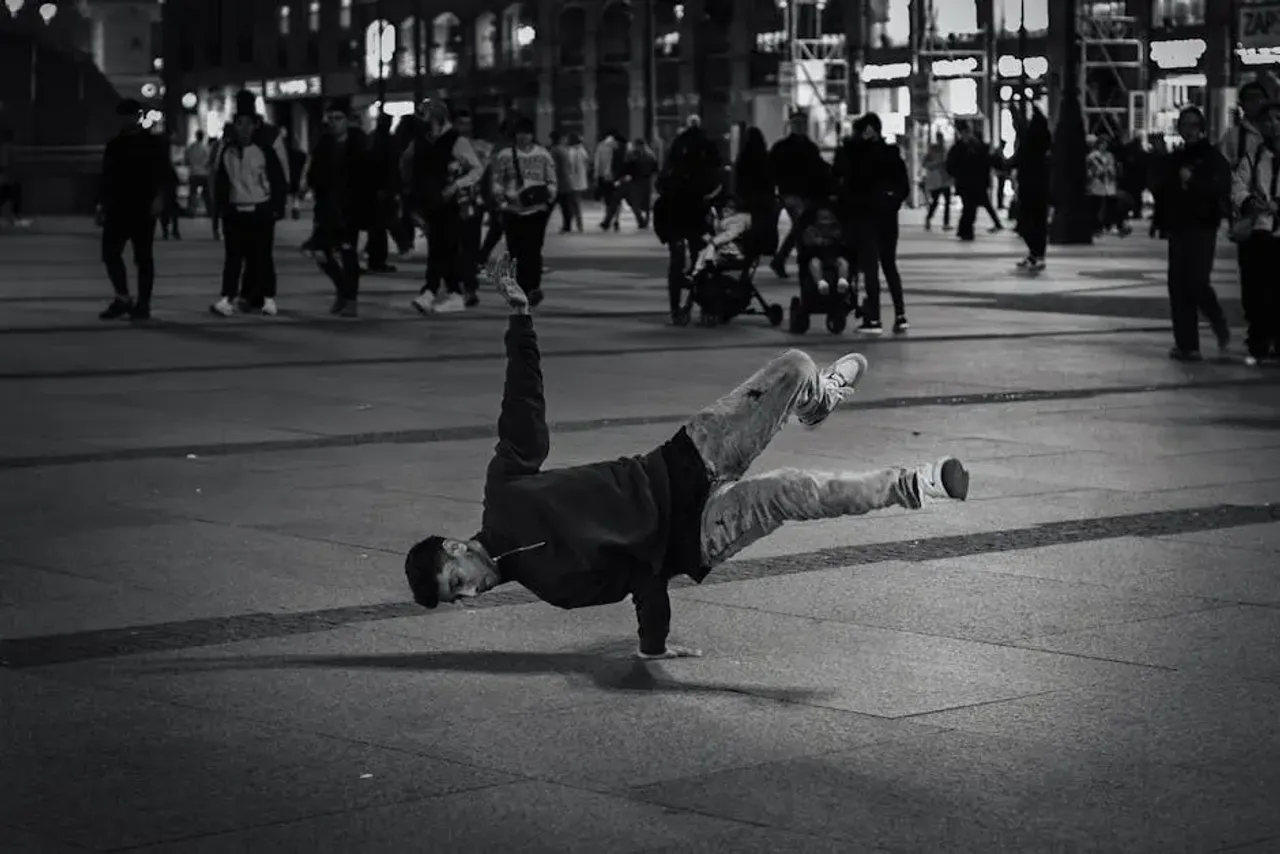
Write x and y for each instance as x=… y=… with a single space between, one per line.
x=406 y=61
x=1009 y=15
x=487 y=40
x=1178 y=13
x=446 y=36
x=379 y=50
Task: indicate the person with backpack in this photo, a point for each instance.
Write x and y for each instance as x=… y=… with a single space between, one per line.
x=1256 y=229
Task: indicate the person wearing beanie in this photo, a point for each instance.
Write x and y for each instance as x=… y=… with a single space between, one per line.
x=594 y=534
x=251 y=190
x=137 y=176
x=525 y=187
x=443 y=170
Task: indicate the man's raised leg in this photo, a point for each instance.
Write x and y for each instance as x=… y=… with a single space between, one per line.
x=736 y=429
x=738 y=514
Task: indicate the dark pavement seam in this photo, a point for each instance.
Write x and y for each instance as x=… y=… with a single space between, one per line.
x=189 y=634
x=432 y=435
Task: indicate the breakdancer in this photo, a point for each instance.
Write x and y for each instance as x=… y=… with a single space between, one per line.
x=592 y=534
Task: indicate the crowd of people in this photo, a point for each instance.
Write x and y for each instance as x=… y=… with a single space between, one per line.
x=431 y=175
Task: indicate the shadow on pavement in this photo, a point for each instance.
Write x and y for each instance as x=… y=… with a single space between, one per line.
x=605 y=668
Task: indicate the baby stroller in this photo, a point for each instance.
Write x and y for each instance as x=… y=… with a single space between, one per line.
x=721 y=280
x=826 y=286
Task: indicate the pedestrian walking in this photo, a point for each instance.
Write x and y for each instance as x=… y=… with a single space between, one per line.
x=381 y=171
x=1030 y=162
x=802 y=177
x=171 y=211
x=937 y=183
x=341 y=177
x=136 y=178
x=198 y=158
x=258 y=284
x=444 y=170
x=579 y=178
x=1197 y=196
x=525 y=187
x=641 y=167
x=610 y=163
x=690 y=178
x=251 y=189
x=1257 y=230
x=1103 y=178
x=969 y=165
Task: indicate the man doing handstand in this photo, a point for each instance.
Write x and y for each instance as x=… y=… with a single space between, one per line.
x=594 y=534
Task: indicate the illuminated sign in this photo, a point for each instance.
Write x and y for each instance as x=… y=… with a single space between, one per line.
x=955 y=67
x=1260 y=25
x=292 y=87
x=1011 y=66
x=892 y=71
x=1259 y=55
x=1179 y=53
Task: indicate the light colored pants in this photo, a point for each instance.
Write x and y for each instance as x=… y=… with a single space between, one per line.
x=735 y=430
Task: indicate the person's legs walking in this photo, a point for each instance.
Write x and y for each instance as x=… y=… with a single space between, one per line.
x=968 y=216
x=115 y=234
x=1205 y=243
x=863 y=234
x=732 y=432
x=740 y=513
x=887 y=244
x=1182 y=306
x=794 y=206
x=996 y=224
x=233 y=260
x=143 y=240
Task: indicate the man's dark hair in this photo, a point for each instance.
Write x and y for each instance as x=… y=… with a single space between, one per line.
x=523 y=124
x=872 y=120
x=422 y=566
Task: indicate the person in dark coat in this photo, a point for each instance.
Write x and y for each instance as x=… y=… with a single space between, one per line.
x=802 y=177
x=691 y=177
x=969 y=165
x=340 y=178
x=753 y=189
x=1197 y=197
x=137 y=176
x=1030 y=162
x=381 y=172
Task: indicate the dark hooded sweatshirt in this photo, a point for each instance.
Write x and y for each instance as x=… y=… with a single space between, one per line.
x=607 y=529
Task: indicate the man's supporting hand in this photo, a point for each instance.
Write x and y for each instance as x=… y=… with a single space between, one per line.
x=672 y=651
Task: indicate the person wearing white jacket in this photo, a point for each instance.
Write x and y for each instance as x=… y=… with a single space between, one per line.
x=1255 y=202
x=525 y=186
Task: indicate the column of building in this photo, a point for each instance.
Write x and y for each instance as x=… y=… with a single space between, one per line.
x=545 y=59
x=590 y=61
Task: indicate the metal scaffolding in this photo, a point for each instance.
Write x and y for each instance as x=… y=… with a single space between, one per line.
x=819 y=64
x=1112 y=71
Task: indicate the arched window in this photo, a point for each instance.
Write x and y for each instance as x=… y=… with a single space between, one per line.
x=446 y=38
x=379 y=49
x=406 y=62
x=572 y=34
x=519 y=32
x=486 y=40
x=615 y=33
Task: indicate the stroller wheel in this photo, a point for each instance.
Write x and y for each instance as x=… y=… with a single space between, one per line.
x=680 y=317
x=774 y=313
x=836 y=323
x=799 y=318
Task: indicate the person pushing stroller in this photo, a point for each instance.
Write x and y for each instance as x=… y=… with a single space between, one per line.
x=596 y=534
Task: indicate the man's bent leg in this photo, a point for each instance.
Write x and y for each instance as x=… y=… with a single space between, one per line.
x=736 y=429
x=738 y=514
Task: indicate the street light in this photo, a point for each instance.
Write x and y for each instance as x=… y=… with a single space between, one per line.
x=48 y=11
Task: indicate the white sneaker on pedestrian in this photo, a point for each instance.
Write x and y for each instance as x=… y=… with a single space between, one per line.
x=425 y=303
x=269 y=307
x=224 y=307
x=450 y=304
x=947 y=478
x=842 y=286
x=836 y=384
x=823 y=287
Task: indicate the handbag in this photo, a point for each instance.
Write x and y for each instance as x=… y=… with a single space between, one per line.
x=530 y=197
x=1243 y=227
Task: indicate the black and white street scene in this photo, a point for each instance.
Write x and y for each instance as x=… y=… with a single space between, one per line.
x=637 y=426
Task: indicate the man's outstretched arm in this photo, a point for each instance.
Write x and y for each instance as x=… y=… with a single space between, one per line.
x=523 y=438
x=653 y=613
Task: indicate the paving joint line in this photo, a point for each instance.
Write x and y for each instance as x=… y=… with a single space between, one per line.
x=48 y=650
x=435 y=435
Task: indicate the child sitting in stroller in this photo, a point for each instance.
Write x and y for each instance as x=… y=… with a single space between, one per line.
x=822 y=253
x=725 y=248
x=720 y=279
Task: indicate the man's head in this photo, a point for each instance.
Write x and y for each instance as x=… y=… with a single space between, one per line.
x=244 y=125
x=444 y=570
x=1191 y=124
x=129 y=112
x=1253 y=100
x=871 y=127
x=1269 y=124
x=336 y=119
x=523 y=132
x=434 y=115
x=199 y=136
x=800 y=123
x=462 y=123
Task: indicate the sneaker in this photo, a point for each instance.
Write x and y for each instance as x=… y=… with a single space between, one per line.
x=472 y=299
x=140 y=311
x=1251 y=361
x=119 y=308
x=947 y=478
x=836 y=384
x=269 y=307
x=823 y=287
x=871 y=327
x=1179 y=355
x=900 y=324
x=1037 y=265
x=425 y=303
x=779 y=269
x=1026 y=263
x=224 y=307
x=842 y=286
x=336 y=306
x=349 y=309
x=450 y=304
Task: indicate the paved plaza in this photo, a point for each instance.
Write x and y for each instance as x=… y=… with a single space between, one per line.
x=208 y=644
